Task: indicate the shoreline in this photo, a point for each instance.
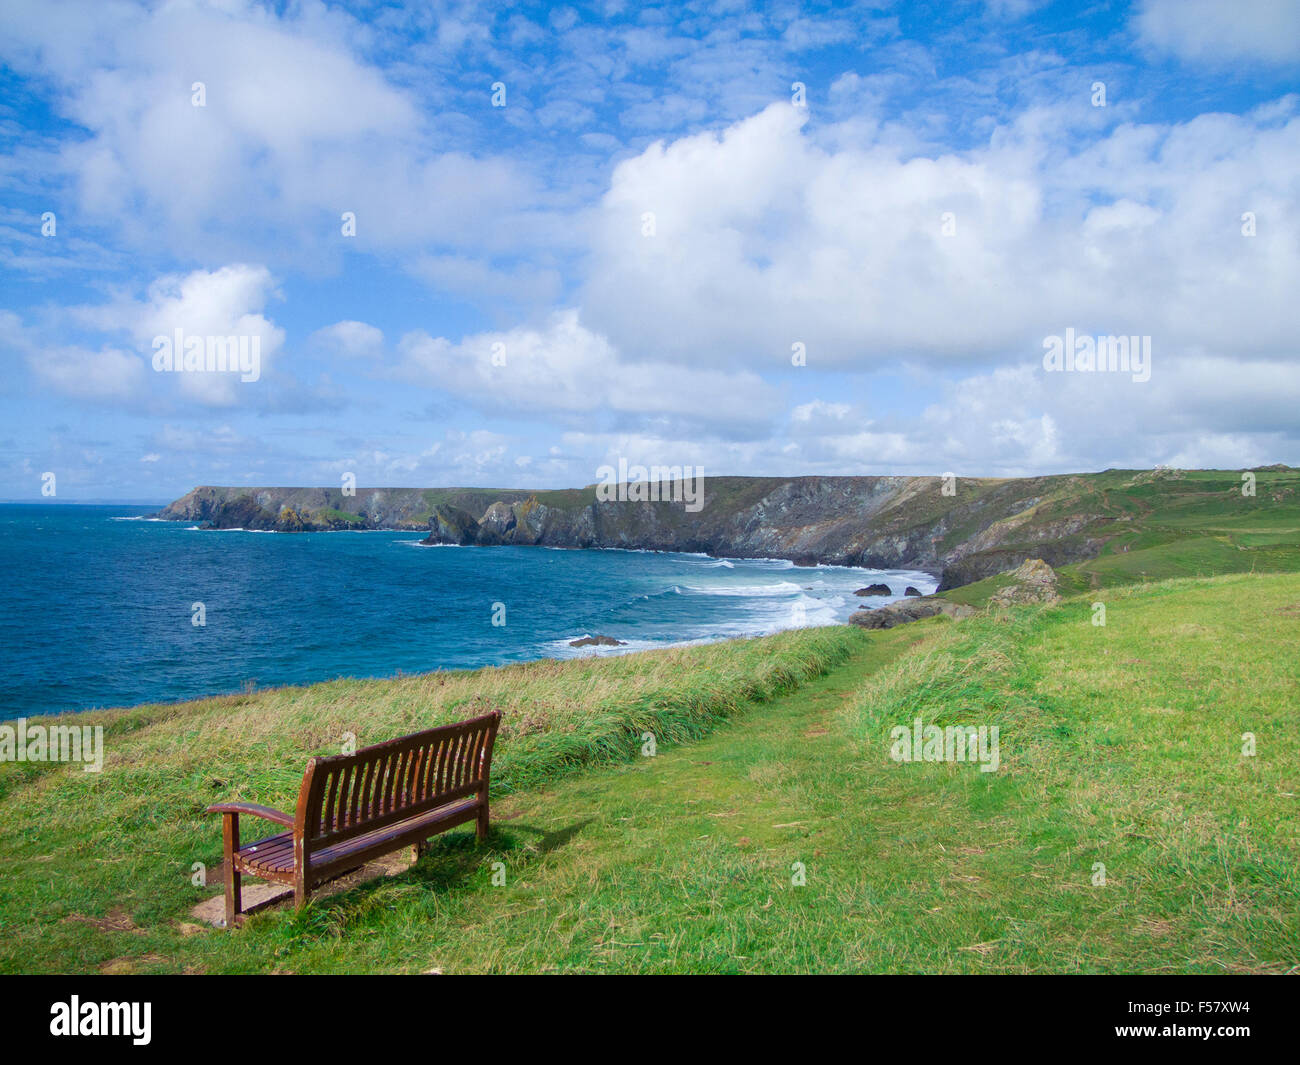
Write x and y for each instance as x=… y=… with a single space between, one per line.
x=828 y=606
x=117 y=710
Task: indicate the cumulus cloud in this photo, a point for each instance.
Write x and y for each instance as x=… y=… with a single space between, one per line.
x=106 y=374
x=919 y=223
x=564 y=368
x=350 y=340
x=762 y=238
x=294 y=129
x=203 y=303
x=1219 y=33
x=221 y=304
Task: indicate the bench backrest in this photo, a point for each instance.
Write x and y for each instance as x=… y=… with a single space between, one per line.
x=346 y=795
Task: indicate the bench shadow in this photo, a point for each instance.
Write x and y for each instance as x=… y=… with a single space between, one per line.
x=451 y=859
x=550 y=841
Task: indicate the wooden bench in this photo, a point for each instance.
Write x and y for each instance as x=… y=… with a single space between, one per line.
x=355 y=807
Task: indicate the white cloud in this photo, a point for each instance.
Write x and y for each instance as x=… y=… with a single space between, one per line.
x=820 y=410
x=1218 y=33
x=295 y=130
x=823 y=228
x=108 y=374
x=566 y=369
x=227 y=302
x=217 y=303
x=351 y=340
x=764 y=238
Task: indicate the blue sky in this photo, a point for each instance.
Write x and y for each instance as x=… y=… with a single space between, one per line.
x=949 y=194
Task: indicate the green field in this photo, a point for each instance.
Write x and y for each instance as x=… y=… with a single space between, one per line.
x=1119 y=745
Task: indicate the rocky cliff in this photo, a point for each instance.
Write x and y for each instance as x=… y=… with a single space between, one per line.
x=977 y=527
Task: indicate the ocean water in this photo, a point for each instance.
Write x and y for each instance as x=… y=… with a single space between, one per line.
x=98 y=609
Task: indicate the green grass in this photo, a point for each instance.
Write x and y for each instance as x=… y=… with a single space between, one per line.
x=333 y=514
x=1119 y=744
x=1158 y=526
x=80 y=844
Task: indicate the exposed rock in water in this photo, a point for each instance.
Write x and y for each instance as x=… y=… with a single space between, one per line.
x=597 y=641
x=874 y=589
x=905 y=610
x=290 y=521
x=1034 y=582
x=451 y=525
x=909 y=590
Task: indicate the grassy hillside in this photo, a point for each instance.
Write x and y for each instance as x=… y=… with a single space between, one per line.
x=81 y=845
x=1163 y=524
x=1119 y=745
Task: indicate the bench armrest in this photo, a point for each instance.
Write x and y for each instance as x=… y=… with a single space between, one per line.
x=267 y=813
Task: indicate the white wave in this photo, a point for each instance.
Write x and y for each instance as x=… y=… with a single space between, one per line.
x=745 y=590
x=561 y=649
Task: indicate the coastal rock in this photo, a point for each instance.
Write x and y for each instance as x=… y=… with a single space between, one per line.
x=1034 y=582
x=909 y=590
x=242 y=513
x=597 y=641
x=451 y=525
x=530 y=521
x=496 y=524
x=905 y=610
x=874 y=589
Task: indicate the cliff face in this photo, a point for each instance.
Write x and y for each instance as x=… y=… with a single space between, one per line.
x=985 y=526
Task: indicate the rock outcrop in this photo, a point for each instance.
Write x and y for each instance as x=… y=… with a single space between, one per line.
x=597 y=641
x=451 y=525
x=874 y=589
x=905 y=610
x=1034 y=582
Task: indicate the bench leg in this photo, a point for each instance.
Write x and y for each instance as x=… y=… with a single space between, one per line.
x=234 y=881
x=482 y=827
x=301 y=886
x=301 y=880
x=234 y=896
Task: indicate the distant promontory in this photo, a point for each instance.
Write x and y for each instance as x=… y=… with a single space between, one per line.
x=964 y=528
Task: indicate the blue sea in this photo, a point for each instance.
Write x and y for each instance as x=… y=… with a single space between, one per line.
x=99 y=605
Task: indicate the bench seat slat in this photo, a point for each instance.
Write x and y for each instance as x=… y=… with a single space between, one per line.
x=273 y=857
